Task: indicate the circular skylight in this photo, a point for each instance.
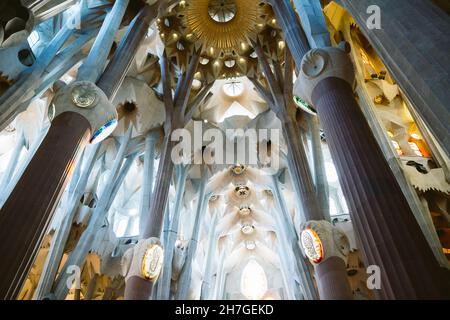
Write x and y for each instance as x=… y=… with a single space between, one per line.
x=222 y=10
x=196 y=84
x=233 y=88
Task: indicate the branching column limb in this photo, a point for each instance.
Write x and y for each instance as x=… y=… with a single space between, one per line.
x=136 y=287
x=166 y=277
x=301 y=176
x=185 y=276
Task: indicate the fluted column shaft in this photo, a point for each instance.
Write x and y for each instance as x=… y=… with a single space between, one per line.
x=301 y=175
x=137 y=288
x=59 y=239
x=29 y=209
x=292 y=29
x=207 y=284
x=117 y=68
x=185 y=275
x=291 y=237
x=165 y=280
x=94 y=64
x=413 y=44
x=320 y=175
x=383 y=221
x=332 y=281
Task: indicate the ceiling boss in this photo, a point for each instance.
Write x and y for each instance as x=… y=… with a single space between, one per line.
x=224 y=29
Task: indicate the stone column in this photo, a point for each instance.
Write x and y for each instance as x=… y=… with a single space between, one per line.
x=136 y=287
x=126 y=51
x=289 y=236
x=29 y=209
x=384 y=223
x=147 y=179
x=94 y=64
x=172 y=234
x=413 y=44
x=185 y=276
x=110 y=80
x=422 y=216
x=59 y=239
x=302 y=180
x=292 y=29
x=207 y=284
x=81 y=113
x=327 y=248
x=320 y=174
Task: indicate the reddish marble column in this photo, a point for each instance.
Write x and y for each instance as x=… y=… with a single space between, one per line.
x=138 y=289
x=332 y=280
x=26 y=214
x=389 y=234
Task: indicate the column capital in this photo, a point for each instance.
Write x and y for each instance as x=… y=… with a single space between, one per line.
x=320 y=240
x=319 y=64
x=88 y=100
x=144 y=260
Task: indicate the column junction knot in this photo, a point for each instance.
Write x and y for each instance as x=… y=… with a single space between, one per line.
x=144 y=260
x=88 y=100
x=319 y=64
x=320 y=240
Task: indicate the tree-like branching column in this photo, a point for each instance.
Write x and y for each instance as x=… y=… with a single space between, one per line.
x=280 y=99
x=178 y=112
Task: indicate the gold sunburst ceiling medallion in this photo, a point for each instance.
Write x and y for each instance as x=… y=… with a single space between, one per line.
x=223 y=24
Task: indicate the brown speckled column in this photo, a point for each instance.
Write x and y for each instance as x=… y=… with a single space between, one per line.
x=138 y=289
x=389 y=234
x=332 y=280
x=26 y=214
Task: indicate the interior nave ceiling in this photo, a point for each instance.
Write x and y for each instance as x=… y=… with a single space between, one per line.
x=243 y=211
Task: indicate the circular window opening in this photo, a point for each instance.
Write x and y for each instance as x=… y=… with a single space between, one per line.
x=129 y=106
x=233 y=88
x=222 y=10
x=26 y=57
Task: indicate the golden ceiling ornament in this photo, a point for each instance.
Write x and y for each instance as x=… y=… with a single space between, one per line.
x=245 y=211
x=152 y=262
x=242 y=192
x=312 y=245
x=238 y=170
x=227 y=34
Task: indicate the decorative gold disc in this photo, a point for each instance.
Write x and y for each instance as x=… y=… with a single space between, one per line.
x=227 y=34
